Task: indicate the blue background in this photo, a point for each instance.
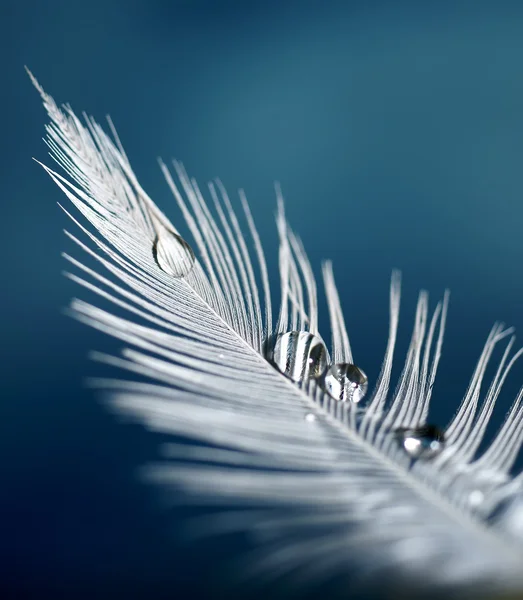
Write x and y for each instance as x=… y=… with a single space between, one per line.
x=396 y=131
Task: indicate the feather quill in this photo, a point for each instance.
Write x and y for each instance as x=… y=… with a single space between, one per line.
x=323 y=486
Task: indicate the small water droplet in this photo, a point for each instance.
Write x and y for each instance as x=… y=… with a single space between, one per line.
x=422 y=442
x=300 y=355
x=309 y=417
x=346 y=382
x=172 y=253
x=476 y=497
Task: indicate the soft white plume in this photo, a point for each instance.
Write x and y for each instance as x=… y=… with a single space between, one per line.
x=325 y=486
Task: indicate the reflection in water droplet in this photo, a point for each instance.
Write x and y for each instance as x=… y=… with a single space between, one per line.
x=299 y=355
x=172 y=253
x=346 y=382
x=422 y=442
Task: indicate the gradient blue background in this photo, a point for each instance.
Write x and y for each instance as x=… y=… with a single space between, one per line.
x=396 y=131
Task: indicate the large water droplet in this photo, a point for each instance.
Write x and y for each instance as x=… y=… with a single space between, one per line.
x=423 y=442
x=172 y=253
x=346 y=382
x=299 y=355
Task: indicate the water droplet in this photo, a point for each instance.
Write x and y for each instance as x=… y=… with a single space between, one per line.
x=476 y=498
x=310 y=418
x=172 y=253
x=346 y=382
x=300 y=355
x=422 y=442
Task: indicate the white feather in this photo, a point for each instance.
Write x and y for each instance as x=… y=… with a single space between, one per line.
x=324 y=486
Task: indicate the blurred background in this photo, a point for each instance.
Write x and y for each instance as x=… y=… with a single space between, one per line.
x=395 y=129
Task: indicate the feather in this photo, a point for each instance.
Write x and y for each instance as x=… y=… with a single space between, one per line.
x=330 y=491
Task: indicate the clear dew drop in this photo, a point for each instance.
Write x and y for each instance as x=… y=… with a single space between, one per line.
x=422 y=442
x=346 y=382
x=476 y=498
x=172 y=253
x=299 y=355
